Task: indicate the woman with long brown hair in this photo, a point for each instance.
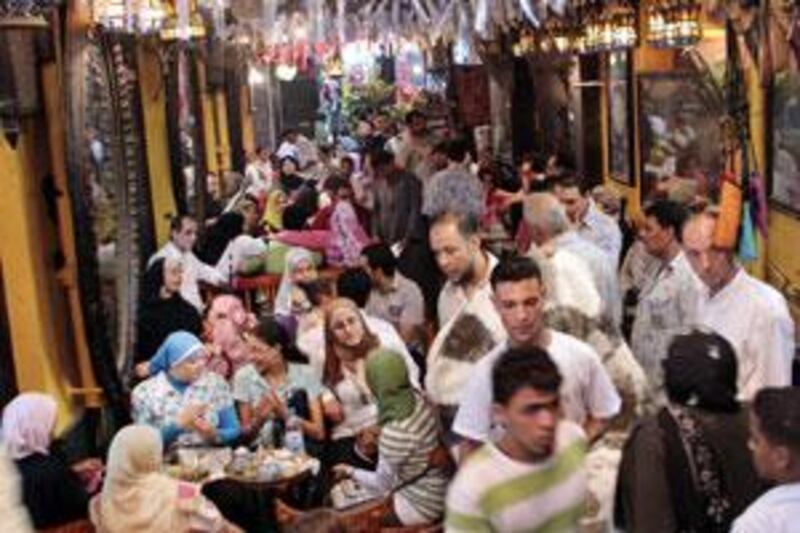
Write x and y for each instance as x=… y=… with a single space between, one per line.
x=349 y=405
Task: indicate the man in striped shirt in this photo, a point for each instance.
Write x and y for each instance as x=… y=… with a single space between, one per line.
x=533 y=479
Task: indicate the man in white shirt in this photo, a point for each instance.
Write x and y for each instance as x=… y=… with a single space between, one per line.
x=588 y=396
x=775 y=444
x=534 y=478
x=668 y=300
x=591 y=223
x=753 y=316
x=469 y=324
x=183 y=235
x=550 y=229
x=258 y=173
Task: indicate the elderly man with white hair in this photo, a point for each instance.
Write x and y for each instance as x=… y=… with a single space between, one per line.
x=575 y=306
x=550 y=224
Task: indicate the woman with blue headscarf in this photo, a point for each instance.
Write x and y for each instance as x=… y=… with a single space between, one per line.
x=188 y=404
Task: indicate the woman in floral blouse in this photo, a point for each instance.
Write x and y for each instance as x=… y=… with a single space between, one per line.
x=187 y=403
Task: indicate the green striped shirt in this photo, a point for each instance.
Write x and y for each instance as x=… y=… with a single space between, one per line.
x=493 y=492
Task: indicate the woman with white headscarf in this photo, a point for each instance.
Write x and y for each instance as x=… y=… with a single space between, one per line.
x=300 y=268
x=138 y=496
x=52 y=492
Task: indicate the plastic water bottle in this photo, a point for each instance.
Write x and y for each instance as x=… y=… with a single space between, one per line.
x=293 y=438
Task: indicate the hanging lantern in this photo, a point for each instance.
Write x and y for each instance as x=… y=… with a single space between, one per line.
x=674 y=23
x=183 y=22
x=129 y=16
x=25 y=14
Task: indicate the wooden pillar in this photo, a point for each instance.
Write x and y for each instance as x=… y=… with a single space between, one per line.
x=27 y=280
x=68 y=275
x=248 y=131
x=209 y=121
x=223 y=139
x=154 y=114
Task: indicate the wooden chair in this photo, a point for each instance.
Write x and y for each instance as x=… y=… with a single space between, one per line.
x=79 y=526
x=364 y=518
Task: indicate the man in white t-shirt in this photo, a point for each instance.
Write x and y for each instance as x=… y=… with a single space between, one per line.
x=588 y=396
x=775 y=443
x=750 y=314
x=534 y=478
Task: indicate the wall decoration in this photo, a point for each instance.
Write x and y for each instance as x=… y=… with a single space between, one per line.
x=679 y=131
x=785 y=163
x=620 y=118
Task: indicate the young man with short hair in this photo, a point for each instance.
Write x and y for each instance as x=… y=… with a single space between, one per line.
x=775 y=443
x=533 y=478
x=394 y=297
x=668 y=300
x=590 y=222
x=588 y=396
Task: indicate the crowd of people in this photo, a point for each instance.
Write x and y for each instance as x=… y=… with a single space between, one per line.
x=482 y=347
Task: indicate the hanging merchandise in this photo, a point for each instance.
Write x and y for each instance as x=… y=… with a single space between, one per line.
x=730 y=205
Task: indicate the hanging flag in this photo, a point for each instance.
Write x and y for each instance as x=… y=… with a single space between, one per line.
x=748 y=248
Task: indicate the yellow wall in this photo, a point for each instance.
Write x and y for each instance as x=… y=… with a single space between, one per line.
x=154 y=111
x=31 y=295
x=780 y=257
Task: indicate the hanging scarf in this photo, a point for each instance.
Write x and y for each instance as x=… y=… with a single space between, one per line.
x=696 y=484
x=387 y=377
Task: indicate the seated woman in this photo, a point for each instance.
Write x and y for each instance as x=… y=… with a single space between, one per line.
x=348 y=404
x=688 y=467
x=268 y=388
x=227 y=321
x=162 y=309
x=300 y=268
x=406 y=449
x=138 y=496
x=189 y=404
x=51 y=490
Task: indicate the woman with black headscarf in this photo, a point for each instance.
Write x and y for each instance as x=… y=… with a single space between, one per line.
x=688 y=468
x=162 y=309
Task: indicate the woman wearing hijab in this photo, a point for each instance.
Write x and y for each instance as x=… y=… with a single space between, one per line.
x=300 y=268
x=162 y=309
x=289 y=180
x=52 y=492
x=409 y=438
x=138 y=496
x=189 y=404
x=688 y=468
x=348 y=237
x=226 y=323
x=15 y=517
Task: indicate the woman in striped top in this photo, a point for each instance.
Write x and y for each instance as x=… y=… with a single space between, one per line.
x=409 y=438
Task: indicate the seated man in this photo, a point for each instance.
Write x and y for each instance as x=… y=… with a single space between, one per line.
x=394 y=297
x=533 y=479
x=775 y=443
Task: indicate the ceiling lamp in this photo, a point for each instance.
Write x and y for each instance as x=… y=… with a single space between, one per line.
x=609 y=27
x=129 y=16
x=285 y=72
x=25 y=14
x=674 y=23
x=183 y=22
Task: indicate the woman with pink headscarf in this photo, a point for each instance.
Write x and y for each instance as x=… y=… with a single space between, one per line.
x=52 y=491
x=226 y=323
